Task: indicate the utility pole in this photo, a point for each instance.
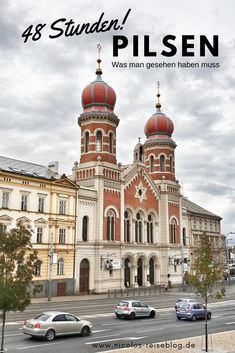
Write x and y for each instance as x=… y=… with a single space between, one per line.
x=50 y=263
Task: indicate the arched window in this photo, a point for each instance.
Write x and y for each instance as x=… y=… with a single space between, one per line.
x=85 y=228
x=162 y=163
x=138 y=228
x=111 y=143
x=126 y=227
x=86 y=143
x=171 y=164
x=60 y=267
x=110 y=225
x=151 y=164
x=184 y=237
x=150 y=229
x=99 y=138
x=141 y=154
x=173 y=231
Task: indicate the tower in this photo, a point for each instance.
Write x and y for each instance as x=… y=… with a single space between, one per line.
x=159 y=148
x=98 y=122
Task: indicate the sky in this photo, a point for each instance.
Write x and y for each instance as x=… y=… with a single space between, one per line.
x=41 y=82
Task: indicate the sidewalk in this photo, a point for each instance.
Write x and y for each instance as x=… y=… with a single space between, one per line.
x=222 y=342
x=230 y=290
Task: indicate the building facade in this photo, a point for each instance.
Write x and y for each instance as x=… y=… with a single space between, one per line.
x=109 y=225
x=46 y=202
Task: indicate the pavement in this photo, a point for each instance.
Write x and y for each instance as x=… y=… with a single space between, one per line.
x=230 y=290
x=223 y=342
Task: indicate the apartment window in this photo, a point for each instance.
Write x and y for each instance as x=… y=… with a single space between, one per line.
x=62 y=207
x=60 y=267
x=41 y=202
x=24 y=202
x=37 y=269
x=110 y=225
x=5 y=199
x=39 y=235
x=62 y=235
x=4 y=227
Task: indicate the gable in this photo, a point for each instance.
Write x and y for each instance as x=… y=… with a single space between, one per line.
x=23 y=220
x=139 y=194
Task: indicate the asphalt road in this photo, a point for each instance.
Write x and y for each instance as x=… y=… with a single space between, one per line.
x=111 y=333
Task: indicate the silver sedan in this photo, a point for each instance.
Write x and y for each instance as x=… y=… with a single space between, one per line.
x=54 y=323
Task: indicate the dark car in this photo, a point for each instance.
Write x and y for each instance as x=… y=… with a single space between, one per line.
x=193 y=311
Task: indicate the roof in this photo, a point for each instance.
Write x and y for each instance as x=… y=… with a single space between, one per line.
x=194 y=208
x=26 y=168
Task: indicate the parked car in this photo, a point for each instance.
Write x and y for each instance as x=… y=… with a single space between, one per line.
x=131 y=309
x=183 y=300
x=54 y=323
x=192 y=311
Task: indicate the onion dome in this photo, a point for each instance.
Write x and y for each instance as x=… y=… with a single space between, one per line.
x=98 y=95
x=159 y=126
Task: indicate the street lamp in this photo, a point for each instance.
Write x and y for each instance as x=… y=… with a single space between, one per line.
x=50 y=262
x=227 y=249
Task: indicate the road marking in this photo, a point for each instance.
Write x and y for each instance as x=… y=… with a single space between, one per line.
x=100 y=331
x=184 y=325
x=230 y=323
x=39 y=345
x=154 y=329
x=117 y=339
x=14 y=334
x=117 y=334
x=120 y=323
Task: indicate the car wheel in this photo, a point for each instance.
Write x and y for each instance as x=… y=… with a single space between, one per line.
x=194 y=318
x=85 y=331
x=50 y=335
x=208 y=316
x=132 y=316
x=118 y=316
x=152 y=314
x=179 y=318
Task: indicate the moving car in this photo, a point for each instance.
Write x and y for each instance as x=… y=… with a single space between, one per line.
x=192 y=311
x=53 y=323
x=183 y=300
x=131 y=309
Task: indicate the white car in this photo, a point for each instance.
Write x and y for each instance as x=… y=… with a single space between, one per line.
x=51 y=324
x=131 y=309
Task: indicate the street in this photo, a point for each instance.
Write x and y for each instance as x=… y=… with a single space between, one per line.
x=112 y=333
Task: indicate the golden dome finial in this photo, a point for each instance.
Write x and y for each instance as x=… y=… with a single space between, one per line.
x=158 y=104
x=98 y=69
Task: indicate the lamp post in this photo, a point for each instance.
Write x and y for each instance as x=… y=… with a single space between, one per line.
x=227 y=253
x=50 y=262
x=226 y=245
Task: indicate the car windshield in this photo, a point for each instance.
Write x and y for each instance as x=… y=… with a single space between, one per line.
x=42 y=317
x=122 y=304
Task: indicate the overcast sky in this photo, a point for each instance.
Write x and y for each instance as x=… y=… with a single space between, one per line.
x=41 y=84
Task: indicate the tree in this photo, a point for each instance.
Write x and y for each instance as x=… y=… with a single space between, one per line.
x=207 y=271
x=17 y=261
